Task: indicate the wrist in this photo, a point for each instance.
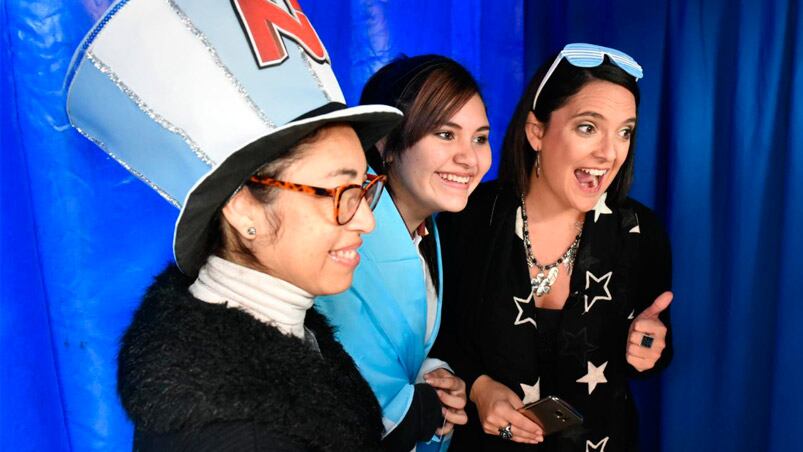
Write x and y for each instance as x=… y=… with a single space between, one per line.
x=478 y=386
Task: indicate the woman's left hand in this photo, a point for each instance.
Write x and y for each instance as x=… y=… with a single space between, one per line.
x=646 y=339
x=451 y=391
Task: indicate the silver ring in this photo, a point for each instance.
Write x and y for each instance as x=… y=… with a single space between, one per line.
x=505 y=432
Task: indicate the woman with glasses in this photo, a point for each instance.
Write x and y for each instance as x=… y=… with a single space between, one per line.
x=235 y=359
x=269 y=173
x=555 y=282
x=389 y=318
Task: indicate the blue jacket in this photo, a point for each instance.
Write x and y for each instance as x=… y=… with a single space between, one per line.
x=382 y=319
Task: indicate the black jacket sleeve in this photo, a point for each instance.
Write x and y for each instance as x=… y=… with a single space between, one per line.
x=419 y=423
x=465 y=238
x=654 y=278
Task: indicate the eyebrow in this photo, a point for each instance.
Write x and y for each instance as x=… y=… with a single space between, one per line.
x=594 y=114
x=343 y=172
x=457 y=126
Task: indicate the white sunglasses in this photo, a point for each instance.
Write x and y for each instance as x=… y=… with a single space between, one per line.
x=590 y=55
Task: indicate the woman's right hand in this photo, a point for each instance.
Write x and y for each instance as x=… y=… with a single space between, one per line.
x=496 y=405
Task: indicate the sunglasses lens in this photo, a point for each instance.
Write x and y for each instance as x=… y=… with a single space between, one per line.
x=584 y=60
x=589 y=55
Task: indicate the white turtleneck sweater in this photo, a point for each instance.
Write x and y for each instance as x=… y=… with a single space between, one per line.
x=269 y=299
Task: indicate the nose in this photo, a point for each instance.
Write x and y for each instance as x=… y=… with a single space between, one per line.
x=466 y=155
x=363 y=220
x=607 y=149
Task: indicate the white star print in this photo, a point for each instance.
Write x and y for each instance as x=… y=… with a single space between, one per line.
x=607 y=297
x=519 y=224
x=531 y=393
x=595 y=376
x=519 y=319
x=637 y=228
x=632 y=315
x=600 y=446
x=601 y=208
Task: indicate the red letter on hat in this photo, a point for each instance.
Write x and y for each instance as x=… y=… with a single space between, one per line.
x=264 y=21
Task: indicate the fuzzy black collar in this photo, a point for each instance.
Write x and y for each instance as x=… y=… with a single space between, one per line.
x=185 y=364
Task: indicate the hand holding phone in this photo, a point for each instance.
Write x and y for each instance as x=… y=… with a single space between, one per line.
x=552 y=414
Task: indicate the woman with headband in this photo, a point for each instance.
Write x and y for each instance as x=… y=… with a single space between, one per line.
x=389 y=318
x=556 y=283
x=252 y=141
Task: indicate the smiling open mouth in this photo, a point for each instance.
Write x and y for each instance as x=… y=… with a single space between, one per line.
x=349 y=257
x=454 y=178
x=590 y=178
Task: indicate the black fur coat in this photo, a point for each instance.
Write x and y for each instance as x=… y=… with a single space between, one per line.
x=199 y=376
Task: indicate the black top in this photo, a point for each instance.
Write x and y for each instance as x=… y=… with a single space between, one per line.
x=490 y=324
x=202 y=377
x=546 y=344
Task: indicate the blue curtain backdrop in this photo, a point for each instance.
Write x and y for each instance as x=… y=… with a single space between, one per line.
x=719 y=157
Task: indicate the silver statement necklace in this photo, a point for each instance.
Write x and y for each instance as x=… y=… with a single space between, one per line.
x=547 y=274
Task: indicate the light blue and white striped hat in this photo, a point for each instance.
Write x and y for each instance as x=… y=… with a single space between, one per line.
x=193 y=96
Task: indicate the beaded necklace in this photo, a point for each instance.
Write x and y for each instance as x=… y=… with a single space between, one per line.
x=547 y=274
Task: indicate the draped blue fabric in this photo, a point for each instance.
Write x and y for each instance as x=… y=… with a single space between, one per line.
x=719 y=158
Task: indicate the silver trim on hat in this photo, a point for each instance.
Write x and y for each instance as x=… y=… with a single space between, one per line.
x=156 y=117
x=219 y=63
x=128 y=167
x=306 y=59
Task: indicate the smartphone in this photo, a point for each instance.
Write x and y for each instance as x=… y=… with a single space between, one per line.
x=552 y=414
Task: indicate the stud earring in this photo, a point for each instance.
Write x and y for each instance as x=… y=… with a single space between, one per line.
x=252 y=231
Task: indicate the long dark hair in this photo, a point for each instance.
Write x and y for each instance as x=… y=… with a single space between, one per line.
x=567 y=80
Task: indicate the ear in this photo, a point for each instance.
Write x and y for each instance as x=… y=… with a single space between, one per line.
x=534 y=129
x=380 y=146
x=239 y=212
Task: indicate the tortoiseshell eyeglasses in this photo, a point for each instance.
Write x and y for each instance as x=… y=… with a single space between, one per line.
x=346 y=197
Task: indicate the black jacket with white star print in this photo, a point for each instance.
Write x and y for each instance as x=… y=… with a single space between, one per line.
x=622 y=265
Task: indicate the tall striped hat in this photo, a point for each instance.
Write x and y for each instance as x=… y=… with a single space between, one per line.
x=193 y=96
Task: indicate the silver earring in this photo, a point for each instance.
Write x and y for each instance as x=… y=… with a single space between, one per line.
x=252 y=231
x=537 y=163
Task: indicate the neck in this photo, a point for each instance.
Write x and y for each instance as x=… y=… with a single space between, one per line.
x=544 y=207
x=411 y=211
x=269 y=299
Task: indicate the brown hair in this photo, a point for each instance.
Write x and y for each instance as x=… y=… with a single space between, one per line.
x=428 y=89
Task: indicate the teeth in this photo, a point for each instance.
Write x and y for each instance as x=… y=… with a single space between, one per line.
x=454 y=178
x=345 y=254
x=594 y=172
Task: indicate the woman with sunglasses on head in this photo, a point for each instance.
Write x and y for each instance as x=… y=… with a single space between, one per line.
x=224 y=352
x=555 y=281
x=389 y=318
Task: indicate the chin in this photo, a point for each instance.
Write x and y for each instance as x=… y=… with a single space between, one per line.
x=453 y=205
x=334 y=287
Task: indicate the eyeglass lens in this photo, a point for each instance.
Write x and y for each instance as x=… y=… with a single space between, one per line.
x=350 y=200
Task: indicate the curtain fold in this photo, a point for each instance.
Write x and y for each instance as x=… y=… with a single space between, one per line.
x=718 y=157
